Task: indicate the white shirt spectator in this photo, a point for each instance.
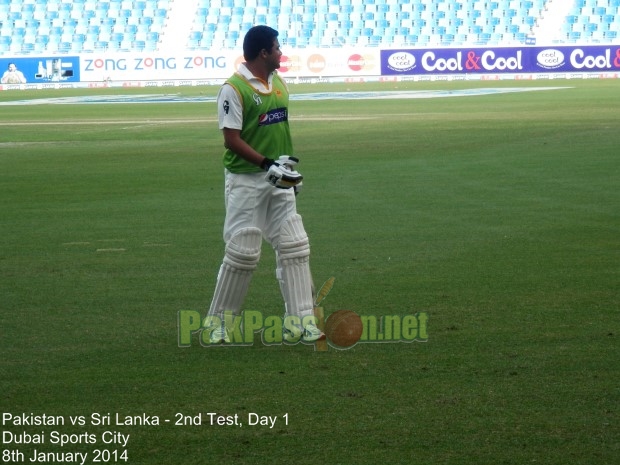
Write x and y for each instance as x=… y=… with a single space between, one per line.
x=13 y=76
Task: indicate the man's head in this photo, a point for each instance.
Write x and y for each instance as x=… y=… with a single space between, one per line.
x=262 y=40
x=12 y=67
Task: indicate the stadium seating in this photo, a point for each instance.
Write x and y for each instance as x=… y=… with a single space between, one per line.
x=389 y=23
x=597 y=21
x=71 y=26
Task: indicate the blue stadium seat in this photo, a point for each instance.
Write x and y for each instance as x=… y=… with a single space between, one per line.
x=521 y=37
x=125 y=14
x=65 y=47
x=608 y=18
x=102 y=5
x=19 y=32
x=484 y=37
x=27 y=48
x=41 y=42
x=28 y=10
x=88 y=15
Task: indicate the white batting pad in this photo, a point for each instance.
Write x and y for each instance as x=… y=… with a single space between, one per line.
x=240 y=260
x=293 y=271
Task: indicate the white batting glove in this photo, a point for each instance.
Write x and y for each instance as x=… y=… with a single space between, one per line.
x=280 y=173
x=288 y=161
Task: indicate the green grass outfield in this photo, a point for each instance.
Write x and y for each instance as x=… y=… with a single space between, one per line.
x=496 y=215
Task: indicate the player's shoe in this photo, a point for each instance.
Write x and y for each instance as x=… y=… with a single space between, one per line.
x=219 y=335
x=308 y=334
x=311 y=333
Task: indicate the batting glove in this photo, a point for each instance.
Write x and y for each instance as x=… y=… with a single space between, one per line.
x=280 y=173
x=288 y=161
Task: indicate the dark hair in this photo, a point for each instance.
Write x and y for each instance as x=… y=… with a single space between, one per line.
x=256 y=39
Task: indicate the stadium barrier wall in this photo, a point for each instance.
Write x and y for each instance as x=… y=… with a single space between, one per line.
x=319 y=65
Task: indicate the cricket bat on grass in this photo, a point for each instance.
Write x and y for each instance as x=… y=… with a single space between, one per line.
x=321 y=346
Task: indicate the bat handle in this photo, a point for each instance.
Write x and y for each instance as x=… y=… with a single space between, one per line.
x=320 y=346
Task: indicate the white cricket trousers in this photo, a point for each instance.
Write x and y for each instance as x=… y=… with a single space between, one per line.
x=252 y=202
